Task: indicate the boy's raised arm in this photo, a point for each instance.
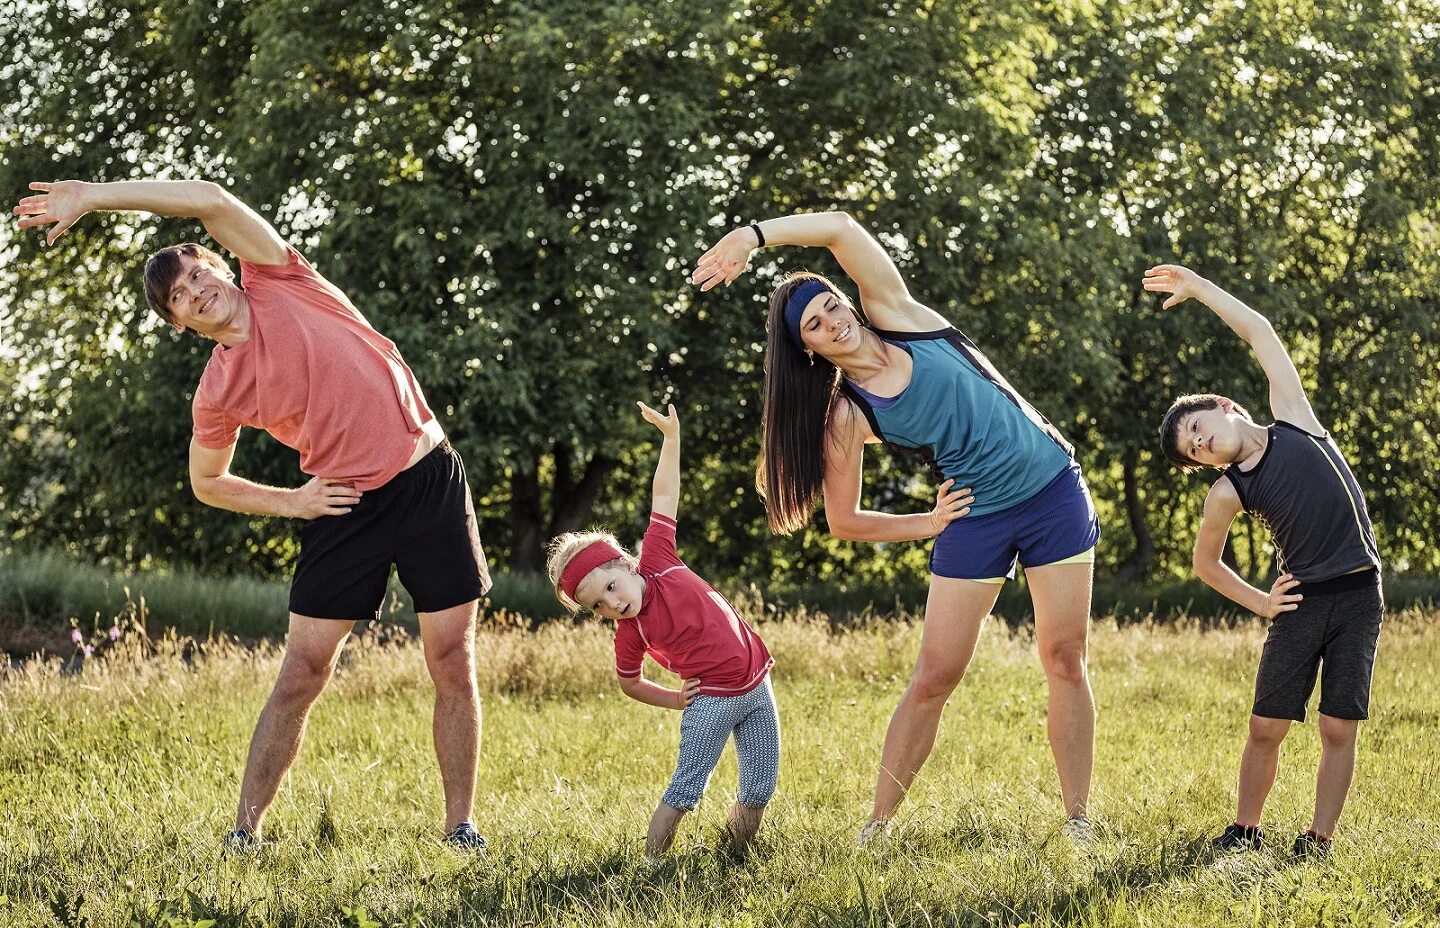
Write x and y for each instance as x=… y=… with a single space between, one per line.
x=1287 y=395
x=665 y=495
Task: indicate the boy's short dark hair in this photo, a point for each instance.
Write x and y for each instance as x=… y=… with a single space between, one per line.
x=1170 y=425
x=164 y=267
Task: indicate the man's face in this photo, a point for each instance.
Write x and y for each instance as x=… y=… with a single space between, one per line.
x=203 y=298
x=614 y=592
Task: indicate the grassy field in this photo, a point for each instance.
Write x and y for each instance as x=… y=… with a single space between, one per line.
x=117 y=781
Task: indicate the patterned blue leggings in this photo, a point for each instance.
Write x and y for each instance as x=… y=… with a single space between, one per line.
x=706 y=725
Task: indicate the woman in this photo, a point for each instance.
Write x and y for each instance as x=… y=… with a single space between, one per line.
x=834 y=384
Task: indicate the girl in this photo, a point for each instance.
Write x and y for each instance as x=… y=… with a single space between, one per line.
x=663 y=609
x=832 y=385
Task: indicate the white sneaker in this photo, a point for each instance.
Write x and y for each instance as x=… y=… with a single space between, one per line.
x=874 y=832
x=1080 y=830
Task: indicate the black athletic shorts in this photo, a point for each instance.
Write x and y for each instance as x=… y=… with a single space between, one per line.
x=1335 y=630
x=422 y=521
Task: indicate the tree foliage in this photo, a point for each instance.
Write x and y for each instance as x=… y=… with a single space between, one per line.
x=515 y=192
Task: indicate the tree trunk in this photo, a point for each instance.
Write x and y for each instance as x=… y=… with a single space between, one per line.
x=527 y=520
x=1140 y=561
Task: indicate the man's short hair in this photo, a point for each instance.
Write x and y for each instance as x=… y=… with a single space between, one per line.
x=163 y=268
x=1170 y=425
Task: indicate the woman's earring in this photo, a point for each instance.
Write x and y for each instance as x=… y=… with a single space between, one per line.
x=810 y=353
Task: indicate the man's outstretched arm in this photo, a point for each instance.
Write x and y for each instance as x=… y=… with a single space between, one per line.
x=214 y=485
x=236 y=227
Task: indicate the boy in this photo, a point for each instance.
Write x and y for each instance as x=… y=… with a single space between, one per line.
x=1326 y=605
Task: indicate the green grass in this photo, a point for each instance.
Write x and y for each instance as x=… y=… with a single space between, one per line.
x=116 y=783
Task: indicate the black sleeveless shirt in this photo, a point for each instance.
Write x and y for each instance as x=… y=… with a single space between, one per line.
x=1305 y=494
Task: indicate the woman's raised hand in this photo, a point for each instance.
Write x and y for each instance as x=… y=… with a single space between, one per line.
x=950 y=504
x=1179 y=282
x=60 y=204
x=727 y=260
x=669 y=426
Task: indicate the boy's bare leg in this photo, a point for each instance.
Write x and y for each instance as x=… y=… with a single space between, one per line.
x=1257 y=767
x=449 y=640
x=1337 y=769
x=311 y=650
x=662 y=829
x=744 y=822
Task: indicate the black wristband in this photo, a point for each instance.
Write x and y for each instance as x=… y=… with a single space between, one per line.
x=760 y=236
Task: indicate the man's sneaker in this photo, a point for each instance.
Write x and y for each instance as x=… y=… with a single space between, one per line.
x=1310 y=846
x=464 y=837
x=1080 y=830
x=241 y=841
x=1239 y=838
x=874 y=832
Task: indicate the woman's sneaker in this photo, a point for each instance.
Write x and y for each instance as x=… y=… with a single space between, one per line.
x=241 y=841
x=874 y=833
x=1310 y=846
x=1239 y=838
x=464 y=837
x=1080 y=830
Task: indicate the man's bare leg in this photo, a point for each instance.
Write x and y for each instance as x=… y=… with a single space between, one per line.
x=449 y=639
x=311 y=649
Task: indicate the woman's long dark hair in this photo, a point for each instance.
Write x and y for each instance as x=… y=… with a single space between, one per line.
x=798 y=399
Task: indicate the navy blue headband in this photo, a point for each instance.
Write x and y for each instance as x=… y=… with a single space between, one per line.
x=795 y=306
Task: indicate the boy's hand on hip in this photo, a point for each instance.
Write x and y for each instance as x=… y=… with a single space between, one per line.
x=1280 y=598
x=687 y=692
x=1180 y=282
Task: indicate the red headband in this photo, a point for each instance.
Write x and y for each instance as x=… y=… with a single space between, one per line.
x=590 y=557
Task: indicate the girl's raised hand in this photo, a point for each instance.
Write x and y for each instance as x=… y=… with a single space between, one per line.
x=950 y=505
x=1178 y=281
x=727 y=260
x=669 y=426
x=59 y=205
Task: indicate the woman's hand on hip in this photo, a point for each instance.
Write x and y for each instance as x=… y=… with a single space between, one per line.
x=950 y=504
x=727 y=260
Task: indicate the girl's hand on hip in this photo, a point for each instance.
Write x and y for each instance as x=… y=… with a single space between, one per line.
x=950 y=504
x=687 y=692
x=669 y=426
x=726 y=261
x=1280 y=598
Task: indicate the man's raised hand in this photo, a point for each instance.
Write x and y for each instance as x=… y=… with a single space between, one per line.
x=57 y=204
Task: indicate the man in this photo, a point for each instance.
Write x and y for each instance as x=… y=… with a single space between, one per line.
x=294 y=357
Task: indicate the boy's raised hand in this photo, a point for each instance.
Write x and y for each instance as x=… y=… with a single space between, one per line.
x=1180 y=282
x=669 y=426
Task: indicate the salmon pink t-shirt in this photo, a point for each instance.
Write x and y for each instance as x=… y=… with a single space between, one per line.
x=686 y=626
x=316 y=376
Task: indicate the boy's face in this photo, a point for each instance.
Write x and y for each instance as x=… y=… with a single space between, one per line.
x=613 y=592
x=1211 y=437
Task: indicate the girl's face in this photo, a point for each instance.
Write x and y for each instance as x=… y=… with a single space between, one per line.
x=828 y=326
x=614 y=592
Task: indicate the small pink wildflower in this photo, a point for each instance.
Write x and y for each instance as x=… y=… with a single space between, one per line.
x=114 y=633
x=88 y=650
x=75 y=636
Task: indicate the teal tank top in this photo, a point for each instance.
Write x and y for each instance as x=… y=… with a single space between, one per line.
x=968 y=420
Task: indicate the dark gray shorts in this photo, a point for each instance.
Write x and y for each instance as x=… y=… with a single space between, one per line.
x=1335 y=630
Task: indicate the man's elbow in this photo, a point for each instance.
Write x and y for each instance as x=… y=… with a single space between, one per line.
x=210 y=197
x=203 y=488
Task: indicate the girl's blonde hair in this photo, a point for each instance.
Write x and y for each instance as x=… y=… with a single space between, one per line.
x=563 y=549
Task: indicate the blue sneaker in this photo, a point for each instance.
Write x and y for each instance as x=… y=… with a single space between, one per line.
x=464 y=837
x=241 y=841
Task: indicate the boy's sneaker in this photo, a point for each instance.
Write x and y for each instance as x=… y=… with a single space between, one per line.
x=241 y=841
x=1080 y=830
x=1311 y=846
x=1239 y=838
x=464 y=837
x=874 y=833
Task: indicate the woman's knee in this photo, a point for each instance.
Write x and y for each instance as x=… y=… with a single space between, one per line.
x=1064 y=661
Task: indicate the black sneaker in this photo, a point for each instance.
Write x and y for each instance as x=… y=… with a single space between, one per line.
x=464 y=837
x=1310 y=846
x=1239 y=838
x=241 y=841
